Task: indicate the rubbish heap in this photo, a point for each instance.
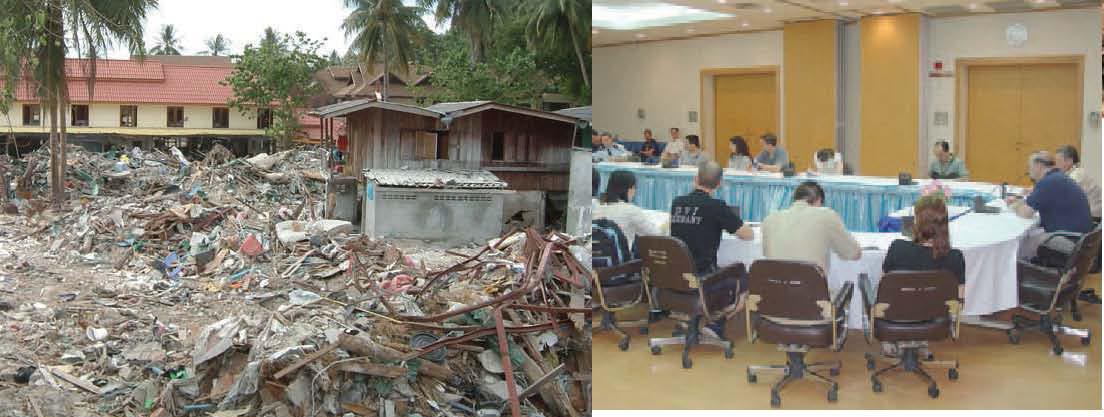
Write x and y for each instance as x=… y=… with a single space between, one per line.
x=214 y=287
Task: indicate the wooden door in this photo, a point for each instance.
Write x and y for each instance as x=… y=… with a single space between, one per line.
x=1014 y=110
x=744 y=105
x=993 y=147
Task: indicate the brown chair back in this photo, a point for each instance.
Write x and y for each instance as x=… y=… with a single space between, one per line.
x=789 y=289
x=667 y=261
x=916 y=295
x=1088 y=248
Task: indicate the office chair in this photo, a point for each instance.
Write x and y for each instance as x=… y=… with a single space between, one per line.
x=911 y=309
x=788 y=304
x=1045 y=291
x=669 y=268
x=617 y=278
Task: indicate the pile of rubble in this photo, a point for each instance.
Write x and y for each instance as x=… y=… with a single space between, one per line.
x=214 y=287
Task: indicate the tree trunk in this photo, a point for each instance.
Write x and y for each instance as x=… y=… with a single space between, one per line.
x=582 y=63
x=63 y=102
x=57 y=183
x=386 y=65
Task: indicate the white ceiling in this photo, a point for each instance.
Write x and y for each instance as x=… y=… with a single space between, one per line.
x=757 y=15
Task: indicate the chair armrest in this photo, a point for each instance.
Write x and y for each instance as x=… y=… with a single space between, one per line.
x=866 y=291
x=843 y=299
x=1026 y=269
x=630 y=267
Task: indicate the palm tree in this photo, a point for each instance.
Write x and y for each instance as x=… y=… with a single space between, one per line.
x=557 y=22
x=41 y=32
x=270 y=37
x=217 y=45
x=383 y=30
x=167 y=43
x=472 y=17
x=334 y=58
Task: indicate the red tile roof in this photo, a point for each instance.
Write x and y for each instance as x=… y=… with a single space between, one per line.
x=120 y=81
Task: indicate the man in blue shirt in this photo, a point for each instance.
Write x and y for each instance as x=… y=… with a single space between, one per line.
x=772 y=158
x=608 y=150
x=693 y=154
x=1061 y=203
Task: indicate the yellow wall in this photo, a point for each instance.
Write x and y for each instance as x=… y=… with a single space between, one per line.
x=890 y=94
x=809 y=75
x=104 y=117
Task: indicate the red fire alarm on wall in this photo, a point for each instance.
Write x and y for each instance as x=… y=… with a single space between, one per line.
x=937 y=70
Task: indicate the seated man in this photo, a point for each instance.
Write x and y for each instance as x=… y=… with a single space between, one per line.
x=808 y=231
x=609 y=150
x=946 y=165
x=693 y=154
x=772 y=158
x=698 y=219
x=827 y=161
x=1061 y=203
x=649 y=151
x=1069 y=161
x=675 y=147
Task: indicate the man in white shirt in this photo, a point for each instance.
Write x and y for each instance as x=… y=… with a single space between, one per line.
x=609 y=150
x=675 y=147
x=1069 y=161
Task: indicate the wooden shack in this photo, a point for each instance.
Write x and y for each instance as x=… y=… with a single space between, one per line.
x=528 y=149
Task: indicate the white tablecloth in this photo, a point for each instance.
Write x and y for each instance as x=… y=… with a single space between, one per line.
x=991 y=243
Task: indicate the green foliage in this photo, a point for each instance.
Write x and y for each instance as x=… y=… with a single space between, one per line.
x=384 y=31
x=277 y=75
x=167 y=42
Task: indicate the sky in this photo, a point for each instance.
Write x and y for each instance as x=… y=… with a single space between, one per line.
x=243 y=21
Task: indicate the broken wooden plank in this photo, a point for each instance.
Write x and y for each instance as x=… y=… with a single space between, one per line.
x=302 y=362
x=80 y=383
x=363 y=346
x=359 y=410
x=535 y=386
x=374 y=369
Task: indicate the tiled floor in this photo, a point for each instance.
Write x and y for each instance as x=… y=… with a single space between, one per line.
x=994 y=374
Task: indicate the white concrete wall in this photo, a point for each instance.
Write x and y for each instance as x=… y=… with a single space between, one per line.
x=664 y=79
x=1066 y=32
x=149 y=116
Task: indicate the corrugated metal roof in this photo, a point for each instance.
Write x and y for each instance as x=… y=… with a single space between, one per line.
x=345 y=107
x=456 y=106
x=583 y=113
x=434 y=178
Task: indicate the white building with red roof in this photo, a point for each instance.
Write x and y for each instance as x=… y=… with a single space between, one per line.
x=174 y=100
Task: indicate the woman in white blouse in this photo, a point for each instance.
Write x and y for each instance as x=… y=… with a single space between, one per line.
x=616 y=204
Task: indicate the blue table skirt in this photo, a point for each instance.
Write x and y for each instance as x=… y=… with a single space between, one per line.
x=861 y=205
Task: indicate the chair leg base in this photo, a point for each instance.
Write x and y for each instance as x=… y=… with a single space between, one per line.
x=908 y=360
x=1052 y=328
x=690 y=337
x=795 y=369
x=610 y=322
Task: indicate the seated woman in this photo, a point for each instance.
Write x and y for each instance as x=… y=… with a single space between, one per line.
x=827 y=161
x=616 y=204
x=740 y=159
x=930 y=247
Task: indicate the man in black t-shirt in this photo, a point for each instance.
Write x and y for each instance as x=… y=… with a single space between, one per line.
x=698 y=219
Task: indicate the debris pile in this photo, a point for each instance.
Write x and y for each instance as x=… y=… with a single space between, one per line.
x=215 y=287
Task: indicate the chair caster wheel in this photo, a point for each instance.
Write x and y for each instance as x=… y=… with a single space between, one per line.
x=1077 y=316
x=933 y=392
x=728 y=353
x=870 y=364
x=1013 y=336
x=752 y=378
x=1085 y=341
x=643 y=330
x=834 y=371
x=1058 y=350
x=623 y=345
x=776 y=400
x=876 y=386
x=952 y=374
x=656 y=350
x=686 y=362
x=833 y=395
x=931 y=357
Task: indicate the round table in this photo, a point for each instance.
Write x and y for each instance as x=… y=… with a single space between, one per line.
x=860 y=201
x=990 y=243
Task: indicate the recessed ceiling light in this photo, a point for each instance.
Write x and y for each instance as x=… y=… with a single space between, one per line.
x=722 y=1
x=745 y=24
x=895 y=1
x=1040 y=1
x=690 y=30
x=768 y=10
x=641 y=36
x=843 y=3
x=594 y=31
x=973 y=6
